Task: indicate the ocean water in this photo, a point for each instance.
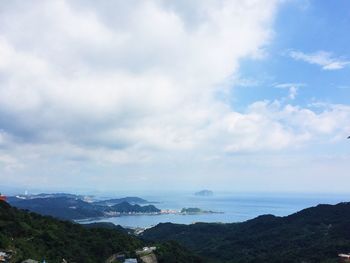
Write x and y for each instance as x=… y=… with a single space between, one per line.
x=234 y=207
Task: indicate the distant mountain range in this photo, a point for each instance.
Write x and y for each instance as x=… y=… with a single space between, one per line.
x=73 y=207
x=131 y=200
x=59 y=207
x=46 y=195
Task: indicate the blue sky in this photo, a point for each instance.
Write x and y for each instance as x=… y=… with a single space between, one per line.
x=309 y=27
x=241 y=96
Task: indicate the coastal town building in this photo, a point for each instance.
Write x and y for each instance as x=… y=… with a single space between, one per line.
x=145 y=250
x=344 y=257
x=30 y=261
x=3 y=197
x=119 y=257
x=146 y=255
x=3 y=257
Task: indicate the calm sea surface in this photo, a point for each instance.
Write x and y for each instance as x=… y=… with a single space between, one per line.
x=235 y=207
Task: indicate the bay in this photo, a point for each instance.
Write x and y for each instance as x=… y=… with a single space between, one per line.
x=234 y=207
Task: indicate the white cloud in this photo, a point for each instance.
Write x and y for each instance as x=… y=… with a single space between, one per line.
x=9 y=163
x=322 y=58
x=292 y=88
x=130 y=82
x=273 y=126
x=143 y=74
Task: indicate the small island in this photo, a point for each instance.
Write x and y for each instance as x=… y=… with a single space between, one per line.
x=196 y=210
x=204 y=193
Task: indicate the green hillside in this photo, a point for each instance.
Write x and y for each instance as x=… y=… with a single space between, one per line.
x=72 y=208
x=39 y=237
x=316 y=234
x=125 y=207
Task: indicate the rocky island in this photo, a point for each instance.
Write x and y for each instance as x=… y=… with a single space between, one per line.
x=196 y=210
x=204 y=193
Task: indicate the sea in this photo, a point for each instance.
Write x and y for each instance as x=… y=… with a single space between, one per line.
x=233 y=207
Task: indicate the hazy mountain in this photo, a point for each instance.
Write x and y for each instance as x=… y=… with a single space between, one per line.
x=60 y=207
x=70 y=207
x=131 y=200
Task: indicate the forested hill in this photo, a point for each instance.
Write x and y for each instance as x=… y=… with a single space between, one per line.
x=72 y=208
x=39 y=237
x=130 y=199
x=315 y=234
x=30 y=235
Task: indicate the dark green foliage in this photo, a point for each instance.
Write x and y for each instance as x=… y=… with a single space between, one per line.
x=40 y=237
x=106 y=225
x=316 y=234
x=125 y=207
x=172 y=252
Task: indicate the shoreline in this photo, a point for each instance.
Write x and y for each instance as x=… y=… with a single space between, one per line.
x=173 y=212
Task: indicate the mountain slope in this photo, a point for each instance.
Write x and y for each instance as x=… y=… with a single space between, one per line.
x=129 y=199
x=39 y=237
x=125 y=207
x=30 y=235
x=59 y=207
x=315 y=234
x=72 y=208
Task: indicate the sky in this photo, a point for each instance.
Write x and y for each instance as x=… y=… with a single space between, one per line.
x=156 y=95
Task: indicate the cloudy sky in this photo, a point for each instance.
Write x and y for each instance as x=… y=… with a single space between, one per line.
x=245 y=95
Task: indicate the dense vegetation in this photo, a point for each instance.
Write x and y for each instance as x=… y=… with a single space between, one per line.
x=38 y=237
x=316 y=234
x=172 y=252
x=125 y=207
